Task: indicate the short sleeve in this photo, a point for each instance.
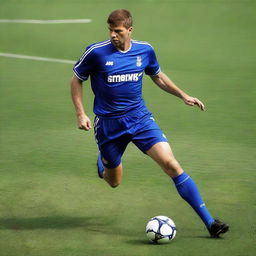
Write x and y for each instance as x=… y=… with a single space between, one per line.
x=84 y=66
x=153 y=67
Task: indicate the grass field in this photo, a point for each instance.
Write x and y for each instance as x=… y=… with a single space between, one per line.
x=51 y=201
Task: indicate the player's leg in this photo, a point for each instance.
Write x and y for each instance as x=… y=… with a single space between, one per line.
x=109 y=160
x=161 y=153
x=113 y=176
x=186 y=187
x=112 y=142
x=150 y=139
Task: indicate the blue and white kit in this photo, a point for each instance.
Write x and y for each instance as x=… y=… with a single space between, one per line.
x=116 y=81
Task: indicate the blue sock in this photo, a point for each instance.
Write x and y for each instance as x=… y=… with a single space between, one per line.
x=190 y=193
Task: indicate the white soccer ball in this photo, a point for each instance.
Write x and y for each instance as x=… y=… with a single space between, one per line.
x=161 y=229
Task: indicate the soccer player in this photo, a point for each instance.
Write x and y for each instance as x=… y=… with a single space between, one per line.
x=116 y=67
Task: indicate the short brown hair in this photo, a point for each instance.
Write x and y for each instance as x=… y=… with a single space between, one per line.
x=120 y=17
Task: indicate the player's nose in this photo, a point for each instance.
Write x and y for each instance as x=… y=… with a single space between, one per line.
x=113 y=34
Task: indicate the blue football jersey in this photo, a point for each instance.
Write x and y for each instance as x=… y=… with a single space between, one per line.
x=116 y=76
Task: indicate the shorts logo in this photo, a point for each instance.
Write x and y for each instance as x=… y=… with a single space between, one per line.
x=109 y=63
x=124 y=78
x=139 y=61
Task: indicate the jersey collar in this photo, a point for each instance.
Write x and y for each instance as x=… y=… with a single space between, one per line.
x=127 y=49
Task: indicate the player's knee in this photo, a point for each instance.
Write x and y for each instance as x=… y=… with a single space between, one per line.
x=172 y=167
x=168 y=165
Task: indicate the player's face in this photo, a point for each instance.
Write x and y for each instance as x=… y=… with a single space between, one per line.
x=120 y=35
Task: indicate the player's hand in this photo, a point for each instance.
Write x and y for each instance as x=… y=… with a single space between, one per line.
x=84 y=123
x=191 y=101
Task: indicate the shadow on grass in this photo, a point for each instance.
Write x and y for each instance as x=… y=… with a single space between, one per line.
x=52 y=222
x=140 y=242
x=212 y=238
x=103 y=225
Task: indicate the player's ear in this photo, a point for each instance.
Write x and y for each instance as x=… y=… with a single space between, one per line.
x=130 y=29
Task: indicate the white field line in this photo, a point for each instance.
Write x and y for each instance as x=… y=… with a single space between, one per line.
x=46 y=21
x=18 y=56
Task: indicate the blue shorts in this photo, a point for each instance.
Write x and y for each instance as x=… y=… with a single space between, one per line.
x=113 y=135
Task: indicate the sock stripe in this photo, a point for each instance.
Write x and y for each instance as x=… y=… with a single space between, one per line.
x=182 y=181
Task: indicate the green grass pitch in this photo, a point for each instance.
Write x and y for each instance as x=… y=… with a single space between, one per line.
x=51 y=201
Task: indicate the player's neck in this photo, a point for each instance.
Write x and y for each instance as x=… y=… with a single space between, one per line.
x=125 y=46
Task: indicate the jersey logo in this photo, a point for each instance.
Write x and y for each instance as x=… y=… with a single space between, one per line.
x=109 y=63
x=139 y=61
x=134 y=77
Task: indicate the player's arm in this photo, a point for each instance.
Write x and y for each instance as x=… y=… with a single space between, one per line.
x=83 y=120
x=166 y=84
